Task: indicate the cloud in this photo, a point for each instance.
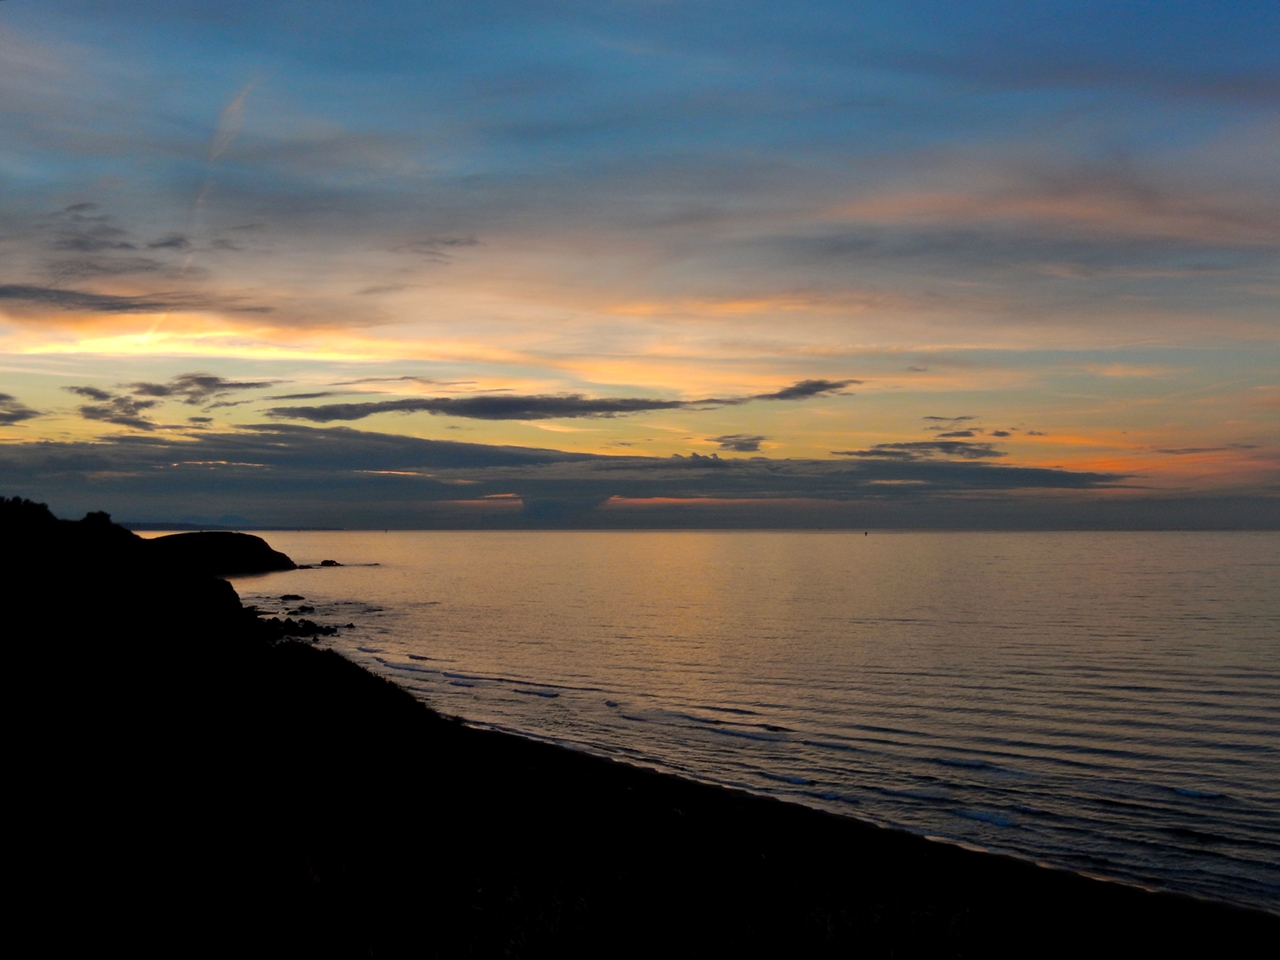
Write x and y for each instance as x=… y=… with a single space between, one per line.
x=227 y=403
x=13 y=410
x=915 y=213
x=926 y=449
x=92 y=393
x=308 y=476
x=482 y=408
x=1191 y=451
x=112 y=408
x=1103 y=46
x=412 y=379
x=86 y=243
x=174 y=241
x=434 y=249
x=198 y=388
x=79 y=228
x=539 y=406
x=334 y=475
x=104 y=239
x=739 y=442
x=87 y=267
x=805 y=389
x=84 y=301
x=193 y=389
x=229 y=122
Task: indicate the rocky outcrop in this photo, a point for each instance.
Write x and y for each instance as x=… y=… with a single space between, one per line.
x=220 y=553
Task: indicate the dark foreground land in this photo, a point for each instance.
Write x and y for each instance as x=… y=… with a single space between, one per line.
x=190 y=781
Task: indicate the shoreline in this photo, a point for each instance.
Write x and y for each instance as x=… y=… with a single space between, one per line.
x=1012 y=856
x=834 y=881
x=190 y=777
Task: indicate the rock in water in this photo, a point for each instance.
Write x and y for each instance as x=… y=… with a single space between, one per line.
x=219 y=553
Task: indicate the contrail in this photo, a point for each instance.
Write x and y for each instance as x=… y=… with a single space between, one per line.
x=229 y=121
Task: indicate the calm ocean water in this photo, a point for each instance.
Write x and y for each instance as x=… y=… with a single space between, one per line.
x=1104 y=702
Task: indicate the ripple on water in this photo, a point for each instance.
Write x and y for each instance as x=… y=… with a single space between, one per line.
x=1108 y=703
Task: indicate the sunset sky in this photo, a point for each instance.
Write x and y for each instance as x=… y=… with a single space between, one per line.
x=254 y=257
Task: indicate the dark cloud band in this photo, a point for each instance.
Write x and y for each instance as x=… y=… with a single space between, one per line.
x=335 y=469
x=79 y=300
x=86 y=302
x=925 y=449
x=739 y=442
x=481 y=408
x=540 y=407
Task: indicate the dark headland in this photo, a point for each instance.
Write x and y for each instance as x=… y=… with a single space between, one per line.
x=191 y=780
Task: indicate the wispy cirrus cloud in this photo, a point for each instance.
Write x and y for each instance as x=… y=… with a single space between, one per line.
x=434 y=249
x=1194 y=451
x=402 y=379
x=229 y=122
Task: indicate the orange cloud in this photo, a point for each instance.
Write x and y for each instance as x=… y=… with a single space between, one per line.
x=1092 y=209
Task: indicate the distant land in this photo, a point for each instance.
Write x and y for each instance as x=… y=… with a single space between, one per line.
x=152 y=526
x=1007 y=513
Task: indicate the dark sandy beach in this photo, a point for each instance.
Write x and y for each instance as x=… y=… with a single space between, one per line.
x=190 y=780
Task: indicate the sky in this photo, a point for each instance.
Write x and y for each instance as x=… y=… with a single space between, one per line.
x=642 y=263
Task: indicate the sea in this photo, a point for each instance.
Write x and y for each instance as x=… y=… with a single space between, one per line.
x=1106 y=703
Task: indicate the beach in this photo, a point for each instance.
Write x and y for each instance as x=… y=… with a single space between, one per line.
x=281 y=799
